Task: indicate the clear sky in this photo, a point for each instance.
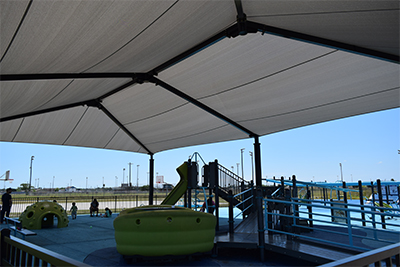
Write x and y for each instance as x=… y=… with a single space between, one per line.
x=367 y=146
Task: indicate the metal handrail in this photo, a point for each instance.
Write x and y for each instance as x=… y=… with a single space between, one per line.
x=251 y=197
x=17 y=252
x=232 y=175
x=374 y=256
x=316 y=217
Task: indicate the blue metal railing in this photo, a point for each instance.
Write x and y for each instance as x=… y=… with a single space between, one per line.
x=244 y=201
x=344 y=217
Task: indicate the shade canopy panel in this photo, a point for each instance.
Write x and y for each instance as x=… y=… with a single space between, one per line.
x=149 y=76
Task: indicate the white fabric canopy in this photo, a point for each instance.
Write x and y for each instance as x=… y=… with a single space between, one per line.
x=148 y=76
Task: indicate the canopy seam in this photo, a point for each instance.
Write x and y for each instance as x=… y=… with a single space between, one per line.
x=322 y=105
x=17 y=30
x=268 y=76
x=16 y=133
x=76 y=125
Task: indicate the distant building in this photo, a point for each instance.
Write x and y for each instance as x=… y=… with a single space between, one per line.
x=70 y=189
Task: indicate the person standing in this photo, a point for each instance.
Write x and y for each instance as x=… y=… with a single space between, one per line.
x=73 y=210
x=7 y=202
x=94 y=207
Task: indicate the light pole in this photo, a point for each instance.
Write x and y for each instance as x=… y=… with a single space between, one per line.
x=241 y=151
x=116 y=181
x=30 y=179
x=53 y=182
x=252 y=166
x=137 y=181
x=123 y=175
x=237 y=168
x=232 y=168
x=86 y=183
x=130 y=183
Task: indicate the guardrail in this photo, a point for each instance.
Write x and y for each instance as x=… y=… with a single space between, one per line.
x=247 y=204
x=386 y=254
x=287 y=217
x=228 y=180
x=17 y=252
x=115 y=203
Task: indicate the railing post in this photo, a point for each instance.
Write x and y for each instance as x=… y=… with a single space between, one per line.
x=3 y=246
x=269 y=216
x=310 y=217
x=345 y=199
x=361 y=195
x=295 y=206
x=379 y=188
x=373 y=205
x=230 y=197
x=349 y=227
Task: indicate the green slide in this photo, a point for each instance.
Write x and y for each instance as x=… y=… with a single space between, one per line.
x=180 y=188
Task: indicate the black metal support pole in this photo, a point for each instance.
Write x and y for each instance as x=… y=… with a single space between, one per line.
x=295 y=206
x=230 y=196
x=259 y=197
x=373 y=204
x=345 y=199
x=379 y=188
x=361 y=195
x=151 y=182
x=215 y=177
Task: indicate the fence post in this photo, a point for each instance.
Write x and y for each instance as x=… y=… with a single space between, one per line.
x=66 y=203
x=137 y=199
x=115 y=209
x=230 y=197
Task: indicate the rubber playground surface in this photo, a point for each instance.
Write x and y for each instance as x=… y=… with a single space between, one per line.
x=91 y=240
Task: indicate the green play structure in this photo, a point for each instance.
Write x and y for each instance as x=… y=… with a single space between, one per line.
x=42 y=214
x=180 y=188
x=165 y=229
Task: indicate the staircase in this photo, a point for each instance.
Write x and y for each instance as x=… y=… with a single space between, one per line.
x=228 y=180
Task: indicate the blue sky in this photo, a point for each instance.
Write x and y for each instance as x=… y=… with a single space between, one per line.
x=367 y=147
